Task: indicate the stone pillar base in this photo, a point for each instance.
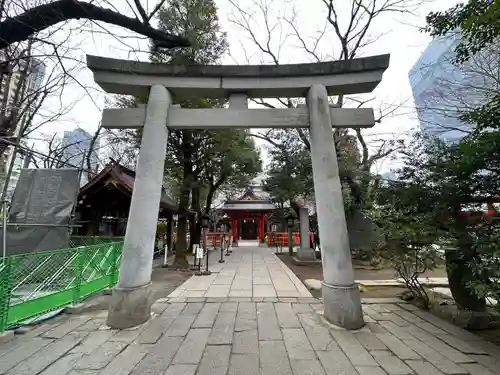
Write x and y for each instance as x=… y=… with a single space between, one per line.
x=306 y=254
x=342 y=305
x=129 y=307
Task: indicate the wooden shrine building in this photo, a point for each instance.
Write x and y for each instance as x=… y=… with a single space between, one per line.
x=249 y=215
x=104 y=202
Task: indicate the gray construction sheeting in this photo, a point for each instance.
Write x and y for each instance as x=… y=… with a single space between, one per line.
x=23 y=240
x=42 y=196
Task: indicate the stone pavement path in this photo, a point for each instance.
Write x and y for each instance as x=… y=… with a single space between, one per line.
x=247 y=272
x=251 y=336
x=246 y=336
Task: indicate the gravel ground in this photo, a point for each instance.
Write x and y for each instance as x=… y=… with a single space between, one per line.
x=360 y=273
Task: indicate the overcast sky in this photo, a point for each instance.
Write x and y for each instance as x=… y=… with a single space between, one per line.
x=395 y=34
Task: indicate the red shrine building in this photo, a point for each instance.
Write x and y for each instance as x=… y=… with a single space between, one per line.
x=249 y=214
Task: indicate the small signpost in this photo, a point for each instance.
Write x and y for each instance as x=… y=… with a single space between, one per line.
x=194 y=267
x=201 y=251
x=198 y=257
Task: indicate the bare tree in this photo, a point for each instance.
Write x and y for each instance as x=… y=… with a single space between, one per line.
x=20 y=20
x=32 y=95
x=55 y=155
x=34 y=32
x=120 y=148
x=346 y=31
x=31 y=82
x=40 y=61
x=56 y=152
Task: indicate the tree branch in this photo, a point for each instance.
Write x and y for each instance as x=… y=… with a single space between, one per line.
x=262 y=102
x=142 y=12
x=21 y=27
x=364 y=147
x=304 y=138
x=263 y=137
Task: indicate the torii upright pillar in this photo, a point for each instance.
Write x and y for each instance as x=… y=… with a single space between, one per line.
x=131 y=297
x=341 y=297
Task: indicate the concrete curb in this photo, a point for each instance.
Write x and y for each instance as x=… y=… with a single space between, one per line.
x=299 y=262
x=6 y=336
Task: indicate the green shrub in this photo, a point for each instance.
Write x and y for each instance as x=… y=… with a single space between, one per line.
x=161 y=229
x=409 y=248
x=486 y=241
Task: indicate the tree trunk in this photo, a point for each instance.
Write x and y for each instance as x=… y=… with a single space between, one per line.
x=170 y=223
x=195 y=226
x=295 y=207
x=355 y=190
x=212 y=190
x=460 y=273
x=194 y=232
x=210 y=198
x=180 y=260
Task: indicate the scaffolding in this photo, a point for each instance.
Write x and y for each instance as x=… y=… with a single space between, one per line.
x=5 y=203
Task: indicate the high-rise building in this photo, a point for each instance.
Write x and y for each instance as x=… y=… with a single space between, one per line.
x=443 y=90
x=75 y=147
x=17 y=88
x=24 y=83
x=37 y=74
x=18 y=164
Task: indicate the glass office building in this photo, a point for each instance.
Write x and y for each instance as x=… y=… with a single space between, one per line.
x=443 y=90
x=75 y=147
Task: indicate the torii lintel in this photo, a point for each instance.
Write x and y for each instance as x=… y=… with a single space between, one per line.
x=127 y=77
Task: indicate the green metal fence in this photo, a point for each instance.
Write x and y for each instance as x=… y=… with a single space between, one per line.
x=37 y=283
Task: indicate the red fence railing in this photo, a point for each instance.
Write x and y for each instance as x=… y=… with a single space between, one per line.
x=281 y=238
x=215 y=239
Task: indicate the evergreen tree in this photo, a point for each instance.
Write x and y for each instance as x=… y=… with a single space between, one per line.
x=202 y=161
x=469 y=169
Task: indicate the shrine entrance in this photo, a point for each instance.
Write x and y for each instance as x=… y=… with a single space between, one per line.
x=248 y=229
x=130 y=303
x=249 y=215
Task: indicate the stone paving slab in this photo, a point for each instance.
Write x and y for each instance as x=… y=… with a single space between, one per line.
x=254 y=338
x=213 y=326
x=249 y=272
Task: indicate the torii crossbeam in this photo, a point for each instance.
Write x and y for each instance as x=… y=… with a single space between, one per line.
x=130 y=304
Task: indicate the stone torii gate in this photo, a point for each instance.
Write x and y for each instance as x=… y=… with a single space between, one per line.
x=131 y=298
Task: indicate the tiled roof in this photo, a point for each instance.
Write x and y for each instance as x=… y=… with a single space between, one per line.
x=125 y=178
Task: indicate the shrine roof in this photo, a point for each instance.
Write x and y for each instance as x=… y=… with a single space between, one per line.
x=248 y=206
x=249 y=201
x=130 y=77
x=123 y=178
